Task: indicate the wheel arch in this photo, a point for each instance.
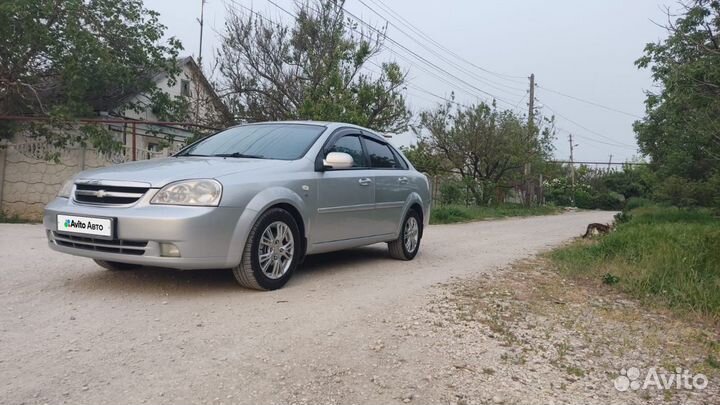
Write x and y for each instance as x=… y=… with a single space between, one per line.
x=414 y=201
x=299 y=220
x=418 y=208
x=274 y=197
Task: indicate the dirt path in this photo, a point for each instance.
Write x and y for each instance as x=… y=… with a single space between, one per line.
x=338 y=332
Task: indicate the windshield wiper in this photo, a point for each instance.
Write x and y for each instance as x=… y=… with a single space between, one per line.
x=239 y=155
x=191 y=154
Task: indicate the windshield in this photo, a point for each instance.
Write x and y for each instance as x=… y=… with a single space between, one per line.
x=260 y=141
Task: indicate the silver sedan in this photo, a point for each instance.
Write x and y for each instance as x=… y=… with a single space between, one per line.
x=255 y=198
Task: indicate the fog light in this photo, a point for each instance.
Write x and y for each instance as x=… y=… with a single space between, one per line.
x=169 y=250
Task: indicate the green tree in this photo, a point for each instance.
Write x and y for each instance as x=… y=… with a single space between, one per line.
x=487 y=147
x=66 y=59
x=312 y=69
x=631 y=181
x=425 y=158
x=681 y=128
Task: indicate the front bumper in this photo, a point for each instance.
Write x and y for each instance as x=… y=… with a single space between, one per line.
x=204 y=235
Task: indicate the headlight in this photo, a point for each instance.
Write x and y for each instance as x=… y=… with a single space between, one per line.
x=202 y=192
x=66 y=189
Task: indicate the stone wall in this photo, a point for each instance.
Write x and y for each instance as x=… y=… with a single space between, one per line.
x=28 y=181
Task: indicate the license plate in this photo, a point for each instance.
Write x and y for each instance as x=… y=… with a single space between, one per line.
x=95 y=226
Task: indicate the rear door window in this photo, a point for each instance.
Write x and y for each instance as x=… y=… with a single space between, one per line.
x=381 y=156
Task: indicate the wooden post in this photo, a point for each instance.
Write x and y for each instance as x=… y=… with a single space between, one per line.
x=572 y=170
x=83 y=149
x=3 y=166
x=134 y=144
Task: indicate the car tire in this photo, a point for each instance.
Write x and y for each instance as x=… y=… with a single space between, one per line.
x=265 y=264
x=406 y=246
x=115 y=266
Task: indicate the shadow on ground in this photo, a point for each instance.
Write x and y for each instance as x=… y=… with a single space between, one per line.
x=154 y=280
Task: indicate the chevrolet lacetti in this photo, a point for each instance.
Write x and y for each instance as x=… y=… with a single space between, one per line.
x=255 y=198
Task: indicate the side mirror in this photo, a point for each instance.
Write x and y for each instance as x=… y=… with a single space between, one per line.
x=338 y=160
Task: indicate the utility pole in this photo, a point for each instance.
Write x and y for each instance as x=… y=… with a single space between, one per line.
x=531 y=133
x=531 y=101
x=610 y=162
x=201 y=21
x=572 y=169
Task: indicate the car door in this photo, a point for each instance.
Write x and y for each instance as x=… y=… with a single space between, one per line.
x=391 y=184
x=346 y=197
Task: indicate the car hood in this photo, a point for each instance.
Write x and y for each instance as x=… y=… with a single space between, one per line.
x=159 y=172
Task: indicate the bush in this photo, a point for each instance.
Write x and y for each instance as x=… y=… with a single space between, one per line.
x=450 y=214
x=683 y=192
x=447 y=214
x=452 y=192
x=636 y=202
x=622 y=217
x=584 y=199
x=609 y=201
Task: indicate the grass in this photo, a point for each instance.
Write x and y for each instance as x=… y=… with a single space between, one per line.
x=448 y=214
x=664 y=255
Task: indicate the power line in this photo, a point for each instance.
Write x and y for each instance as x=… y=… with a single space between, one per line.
x=587 y=138
x=423 y=59
x=421 y=33
x=443 y=79
x=250 y=10
x=414 y=54
x=590 y=102
x=586 y=128
x=281 y=8
x=414 y=38
x=601 y=142
x=578 y=162
x=418 y=31
x=420 y=67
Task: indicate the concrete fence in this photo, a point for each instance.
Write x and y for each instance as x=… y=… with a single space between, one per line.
x=28 y=181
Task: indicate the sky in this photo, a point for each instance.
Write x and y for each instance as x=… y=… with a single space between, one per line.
x=584 y=49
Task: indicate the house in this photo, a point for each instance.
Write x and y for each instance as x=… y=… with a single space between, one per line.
x=204 y=105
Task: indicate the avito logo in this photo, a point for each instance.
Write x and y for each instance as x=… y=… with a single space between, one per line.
x=71 y=223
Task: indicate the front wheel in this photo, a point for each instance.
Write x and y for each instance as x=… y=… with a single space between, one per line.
x=271 y=253
x=406 y=246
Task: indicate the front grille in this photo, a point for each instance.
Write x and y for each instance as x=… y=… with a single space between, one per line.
x=102 y=194
x=126 y=247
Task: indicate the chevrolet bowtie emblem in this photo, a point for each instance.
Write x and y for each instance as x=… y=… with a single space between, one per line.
x=100 y=194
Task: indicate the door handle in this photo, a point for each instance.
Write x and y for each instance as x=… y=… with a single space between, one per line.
x=365 y=181
x=403 y=180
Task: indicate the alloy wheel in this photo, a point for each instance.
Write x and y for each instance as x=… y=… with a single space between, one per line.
x=411 y=235
x=276 y=250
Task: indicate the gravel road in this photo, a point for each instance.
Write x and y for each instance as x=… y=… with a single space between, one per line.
x=71 y=332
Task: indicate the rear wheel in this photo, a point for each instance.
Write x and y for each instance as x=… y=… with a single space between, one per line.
x=406 y=246
x=115 y=266
x=271 y=253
